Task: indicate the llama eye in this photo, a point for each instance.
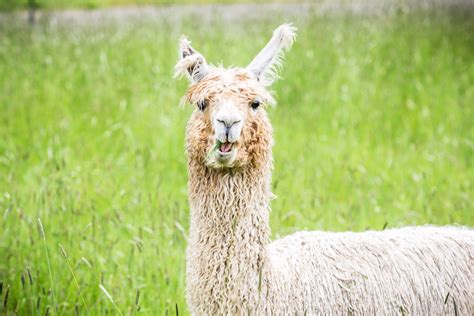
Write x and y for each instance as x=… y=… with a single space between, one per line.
x=202 y=105
x=255 y=104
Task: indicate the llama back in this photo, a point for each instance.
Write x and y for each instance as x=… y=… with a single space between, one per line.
x=414 y=270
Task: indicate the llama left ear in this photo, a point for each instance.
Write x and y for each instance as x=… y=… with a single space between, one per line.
x=266 y=64
x=191 y=63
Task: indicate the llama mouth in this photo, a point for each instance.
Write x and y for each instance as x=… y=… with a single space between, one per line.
x=225 y=148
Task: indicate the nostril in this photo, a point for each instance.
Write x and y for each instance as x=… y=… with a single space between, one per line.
x=228 y=123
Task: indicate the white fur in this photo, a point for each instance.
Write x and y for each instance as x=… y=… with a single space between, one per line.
x=266 y=64
x=414 y=270
x=227 y=116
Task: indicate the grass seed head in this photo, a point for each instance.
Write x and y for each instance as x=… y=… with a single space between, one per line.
x=30 y=278
x=63 y=252
x=5 y=300
x=40 y=225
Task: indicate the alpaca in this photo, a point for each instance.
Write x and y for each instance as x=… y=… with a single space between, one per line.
x=232 y=267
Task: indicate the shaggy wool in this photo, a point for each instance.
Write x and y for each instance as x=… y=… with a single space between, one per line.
x=414 y=270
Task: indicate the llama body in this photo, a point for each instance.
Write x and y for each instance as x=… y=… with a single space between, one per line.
x=233 y=268
x=413 y=270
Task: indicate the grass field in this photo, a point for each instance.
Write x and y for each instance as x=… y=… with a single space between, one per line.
x=374 y=128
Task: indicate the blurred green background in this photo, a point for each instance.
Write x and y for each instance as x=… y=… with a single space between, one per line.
x=373 y=128
x=92 y=4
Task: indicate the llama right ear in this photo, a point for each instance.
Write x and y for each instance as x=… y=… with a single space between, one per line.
x=191 y=63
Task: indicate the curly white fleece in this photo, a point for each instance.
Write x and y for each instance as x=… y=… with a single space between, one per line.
x=233 y=269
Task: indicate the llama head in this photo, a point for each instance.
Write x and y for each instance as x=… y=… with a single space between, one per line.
x=229 y=127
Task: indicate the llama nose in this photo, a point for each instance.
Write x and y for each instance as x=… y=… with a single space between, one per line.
x=228 y=125
x=229 y=122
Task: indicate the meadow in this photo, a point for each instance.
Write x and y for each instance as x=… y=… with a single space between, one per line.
x=373 y=130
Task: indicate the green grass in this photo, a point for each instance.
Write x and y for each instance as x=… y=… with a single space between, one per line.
x=374 y=127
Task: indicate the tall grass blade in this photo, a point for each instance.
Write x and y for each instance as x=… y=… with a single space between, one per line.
x=48 y=261
x=5 y=300
x=63 y=252
x=110 y=299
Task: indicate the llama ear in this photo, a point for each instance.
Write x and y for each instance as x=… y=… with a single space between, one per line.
x=191 y=63
x=266 y=64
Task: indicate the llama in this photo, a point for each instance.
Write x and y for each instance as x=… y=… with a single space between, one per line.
x=232 y=267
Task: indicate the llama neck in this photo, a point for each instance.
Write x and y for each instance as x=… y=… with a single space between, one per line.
x=229 y=232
